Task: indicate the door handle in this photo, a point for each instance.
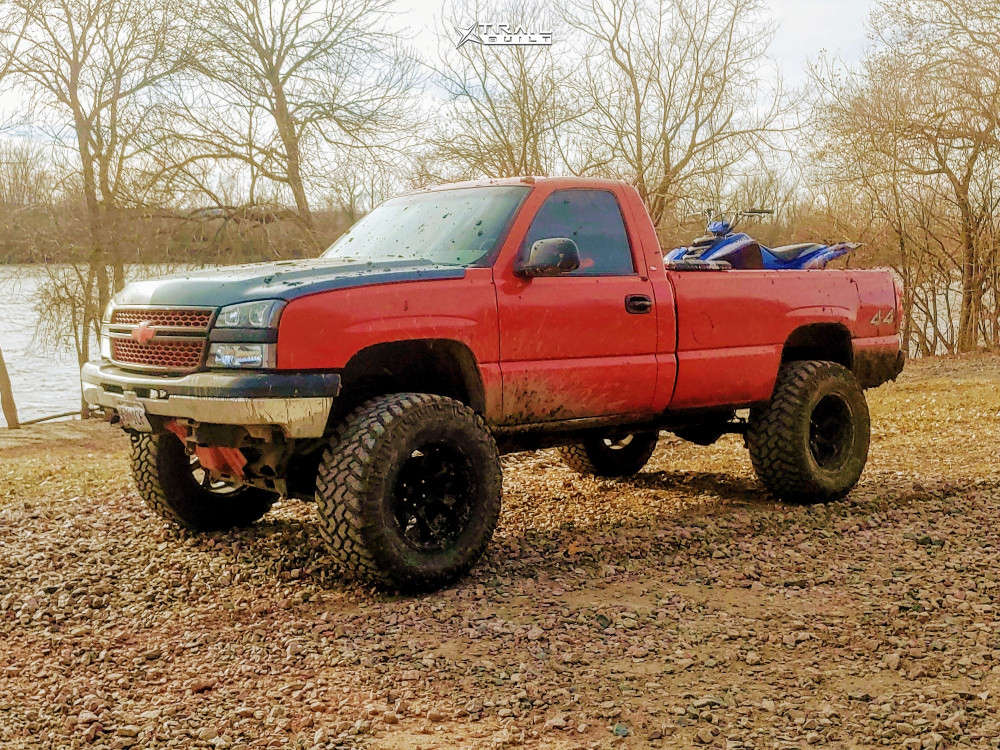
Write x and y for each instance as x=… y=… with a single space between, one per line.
x=638 y=304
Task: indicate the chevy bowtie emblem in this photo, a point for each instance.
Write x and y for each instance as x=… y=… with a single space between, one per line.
x=144 y=332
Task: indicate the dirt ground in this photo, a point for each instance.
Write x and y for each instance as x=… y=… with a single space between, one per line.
x=681 y=607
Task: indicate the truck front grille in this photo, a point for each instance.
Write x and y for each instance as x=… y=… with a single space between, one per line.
x=185 y=318
x=166 y=355
x=161 y=339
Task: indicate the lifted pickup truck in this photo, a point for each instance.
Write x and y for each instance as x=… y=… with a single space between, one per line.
x=455 y=323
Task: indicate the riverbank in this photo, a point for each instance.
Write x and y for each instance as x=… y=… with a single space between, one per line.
x=679 y=607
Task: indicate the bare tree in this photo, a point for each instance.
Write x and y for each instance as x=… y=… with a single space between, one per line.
x=673 y=91
x=93 y=67
x=959 y=42
x=954 y=48
x=360 y=185
x=91 y=64
x=283 y=87
x=26 y=178
x=507 y=106
x=7 y=397
x=905 y=129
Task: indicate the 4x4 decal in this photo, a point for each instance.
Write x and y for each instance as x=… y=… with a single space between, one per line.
x=883 y=319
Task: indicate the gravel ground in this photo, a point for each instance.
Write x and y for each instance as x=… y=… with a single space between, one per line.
x=679 y=608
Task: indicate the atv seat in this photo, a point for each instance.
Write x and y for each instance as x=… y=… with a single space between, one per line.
x=791 y=252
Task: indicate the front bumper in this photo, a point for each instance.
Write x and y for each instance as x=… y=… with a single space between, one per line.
x=298 y=403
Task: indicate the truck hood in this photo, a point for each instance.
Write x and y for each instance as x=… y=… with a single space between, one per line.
x=279 y=280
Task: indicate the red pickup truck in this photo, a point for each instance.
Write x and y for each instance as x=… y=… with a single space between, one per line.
x=456 y=323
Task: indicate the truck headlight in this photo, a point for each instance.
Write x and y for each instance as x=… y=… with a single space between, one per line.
x=249 y=356
x=260 y=314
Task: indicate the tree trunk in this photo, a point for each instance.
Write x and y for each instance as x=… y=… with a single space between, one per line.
x=7 y=397
x=968 y=322
x=88 y=317
x=290 y=142
x=95 y=218
x=98 y=272
x=907 y=321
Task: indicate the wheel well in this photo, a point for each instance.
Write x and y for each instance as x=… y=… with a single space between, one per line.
x=826 y=341
x=440 y=366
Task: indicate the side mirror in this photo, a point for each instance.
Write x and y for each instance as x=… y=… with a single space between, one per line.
x=550 y=257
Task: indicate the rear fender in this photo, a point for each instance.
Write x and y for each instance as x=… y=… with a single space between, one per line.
x=825 y=341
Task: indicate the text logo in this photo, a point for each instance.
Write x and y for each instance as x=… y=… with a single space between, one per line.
x=503 y=35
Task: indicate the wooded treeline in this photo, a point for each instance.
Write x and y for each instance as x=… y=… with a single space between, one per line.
x=207 y=131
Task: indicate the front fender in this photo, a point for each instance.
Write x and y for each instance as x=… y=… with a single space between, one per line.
x=323 y=331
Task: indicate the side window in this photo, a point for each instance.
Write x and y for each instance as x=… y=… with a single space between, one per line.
x=592 y=219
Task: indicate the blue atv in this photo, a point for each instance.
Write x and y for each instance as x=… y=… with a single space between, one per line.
x=741 y=251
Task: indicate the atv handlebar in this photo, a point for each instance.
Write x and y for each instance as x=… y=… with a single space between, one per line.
x=713 y=215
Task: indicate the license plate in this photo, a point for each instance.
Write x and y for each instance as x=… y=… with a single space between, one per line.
x=133 y=417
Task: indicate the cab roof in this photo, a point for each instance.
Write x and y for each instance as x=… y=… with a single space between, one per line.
x=530 y=180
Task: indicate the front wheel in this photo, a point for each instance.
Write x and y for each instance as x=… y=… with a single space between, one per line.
x=408 y=492
x=810 y=442
x=177 y=488
x=613 y=455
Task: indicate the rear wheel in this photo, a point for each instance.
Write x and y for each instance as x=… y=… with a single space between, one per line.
x=408 y=492
x=619 y=455
x=810 y=443
x=177 y=488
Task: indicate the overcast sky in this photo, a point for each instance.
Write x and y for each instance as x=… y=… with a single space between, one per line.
x=804 y=28
x=808 y=26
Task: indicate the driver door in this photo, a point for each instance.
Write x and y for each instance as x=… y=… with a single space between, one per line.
x=583 y=343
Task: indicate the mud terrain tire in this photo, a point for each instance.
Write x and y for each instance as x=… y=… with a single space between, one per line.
x=611 y=457
x=809 y=444
x=408 y=491
x=165 y=477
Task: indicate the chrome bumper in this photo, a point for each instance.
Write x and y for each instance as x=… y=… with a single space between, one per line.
x=298 y=403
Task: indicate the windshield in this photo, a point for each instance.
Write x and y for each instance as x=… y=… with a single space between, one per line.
x=447 y=227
